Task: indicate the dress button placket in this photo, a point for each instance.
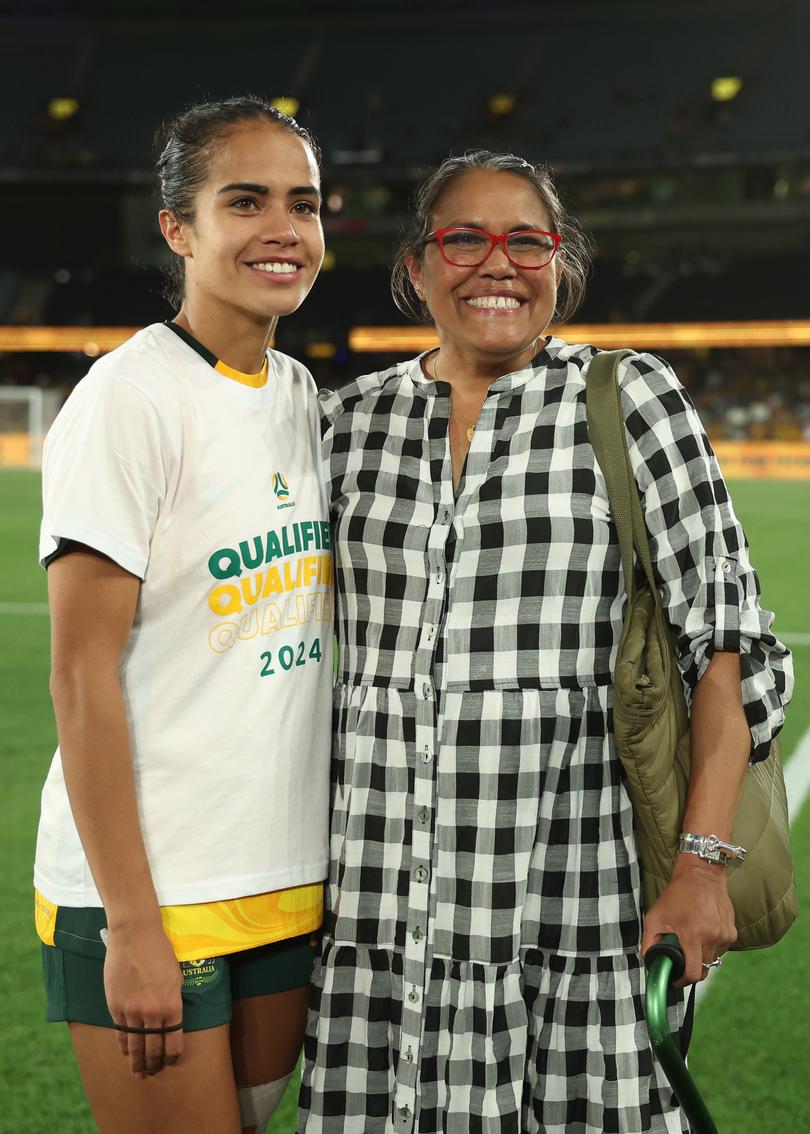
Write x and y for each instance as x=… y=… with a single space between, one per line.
x=416 y=959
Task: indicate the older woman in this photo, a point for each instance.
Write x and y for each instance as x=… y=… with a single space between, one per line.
x=482 y=967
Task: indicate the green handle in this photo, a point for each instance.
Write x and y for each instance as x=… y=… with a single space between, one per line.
x=661 y=963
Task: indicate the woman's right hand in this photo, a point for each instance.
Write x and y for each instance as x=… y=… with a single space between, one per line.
x=143 y=983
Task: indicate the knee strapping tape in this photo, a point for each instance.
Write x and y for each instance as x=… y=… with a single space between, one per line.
x=256 y=1104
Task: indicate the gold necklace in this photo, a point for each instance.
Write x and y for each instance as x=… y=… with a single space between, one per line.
x=470 y=426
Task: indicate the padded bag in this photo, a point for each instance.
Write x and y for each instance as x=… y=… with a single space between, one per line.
x=651 y=720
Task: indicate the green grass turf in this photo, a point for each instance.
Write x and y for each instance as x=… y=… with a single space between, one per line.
x=751 y=1037
x=752 y=1032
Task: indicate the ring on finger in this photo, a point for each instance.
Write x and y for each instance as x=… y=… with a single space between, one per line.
x=715 y=964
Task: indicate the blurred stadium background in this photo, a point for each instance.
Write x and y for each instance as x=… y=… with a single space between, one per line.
x=679 y=135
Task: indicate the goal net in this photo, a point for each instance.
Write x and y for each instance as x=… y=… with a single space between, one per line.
x=26 y=415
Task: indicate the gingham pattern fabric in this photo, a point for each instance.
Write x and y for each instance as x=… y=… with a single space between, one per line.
x=480 y=968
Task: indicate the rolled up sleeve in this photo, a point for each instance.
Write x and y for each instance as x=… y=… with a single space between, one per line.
x=700 y=554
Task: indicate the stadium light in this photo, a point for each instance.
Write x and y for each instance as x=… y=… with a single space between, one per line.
x=320 y=350
x=61 y=108
x=656 y=336
x=725 y=88
x=93 y=341
x=287 y=104
x=501 y=104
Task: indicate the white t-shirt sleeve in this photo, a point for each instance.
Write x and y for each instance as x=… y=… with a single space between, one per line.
x=104 y=472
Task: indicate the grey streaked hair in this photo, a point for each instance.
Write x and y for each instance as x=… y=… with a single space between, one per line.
x=574 y=254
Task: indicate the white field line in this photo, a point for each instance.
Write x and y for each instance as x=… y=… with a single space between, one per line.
x=41 y=608
x=797 y=776
x=797 y=785
x=794 y=639
x=23 y=608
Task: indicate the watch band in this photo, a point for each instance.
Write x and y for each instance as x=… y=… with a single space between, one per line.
x=710 y=848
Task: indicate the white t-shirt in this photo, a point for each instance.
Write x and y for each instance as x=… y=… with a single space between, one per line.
x=211 y=492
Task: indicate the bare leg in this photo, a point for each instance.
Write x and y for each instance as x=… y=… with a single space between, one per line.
x=196 y=1096
x=266 y=1037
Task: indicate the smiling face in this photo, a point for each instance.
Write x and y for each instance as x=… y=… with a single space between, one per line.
x=490 y=315
x=255 y=244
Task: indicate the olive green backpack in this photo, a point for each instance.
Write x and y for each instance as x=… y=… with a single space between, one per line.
x=651 y=720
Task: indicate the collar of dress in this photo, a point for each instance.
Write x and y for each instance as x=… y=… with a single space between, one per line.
x=427 y=387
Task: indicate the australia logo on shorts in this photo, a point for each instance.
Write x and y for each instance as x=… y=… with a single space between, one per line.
x=198 y=974
x=281 y=491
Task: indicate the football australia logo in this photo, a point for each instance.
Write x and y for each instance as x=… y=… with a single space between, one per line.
x=281 y=491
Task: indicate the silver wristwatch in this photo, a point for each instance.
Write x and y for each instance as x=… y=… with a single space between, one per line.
x=710 y=848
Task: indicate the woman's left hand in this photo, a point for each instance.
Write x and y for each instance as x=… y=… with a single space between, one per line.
x=695 y=906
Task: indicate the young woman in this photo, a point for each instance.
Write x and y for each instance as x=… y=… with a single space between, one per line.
x=182 y=842
x=482 y=963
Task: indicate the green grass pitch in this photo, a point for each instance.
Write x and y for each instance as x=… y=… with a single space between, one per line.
x=752 y=1033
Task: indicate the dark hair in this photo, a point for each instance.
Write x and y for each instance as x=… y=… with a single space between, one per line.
x=185 y=145
x=574 y=254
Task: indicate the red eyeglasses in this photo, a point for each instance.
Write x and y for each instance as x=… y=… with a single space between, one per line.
x=530 y=248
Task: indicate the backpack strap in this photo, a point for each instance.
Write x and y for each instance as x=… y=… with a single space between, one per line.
x=609 y=440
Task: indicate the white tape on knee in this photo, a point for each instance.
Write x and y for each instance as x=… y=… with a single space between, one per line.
x=257 y=1104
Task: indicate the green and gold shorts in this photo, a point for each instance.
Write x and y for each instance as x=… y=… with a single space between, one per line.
x=74 y=974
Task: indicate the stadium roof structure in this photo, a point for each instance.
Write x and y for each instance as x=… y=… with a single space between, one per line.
x=391 y=87
x=676 y=130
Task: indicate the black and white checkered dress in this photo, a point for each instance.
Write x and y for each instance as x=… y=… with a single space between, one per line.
x=480 y=968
